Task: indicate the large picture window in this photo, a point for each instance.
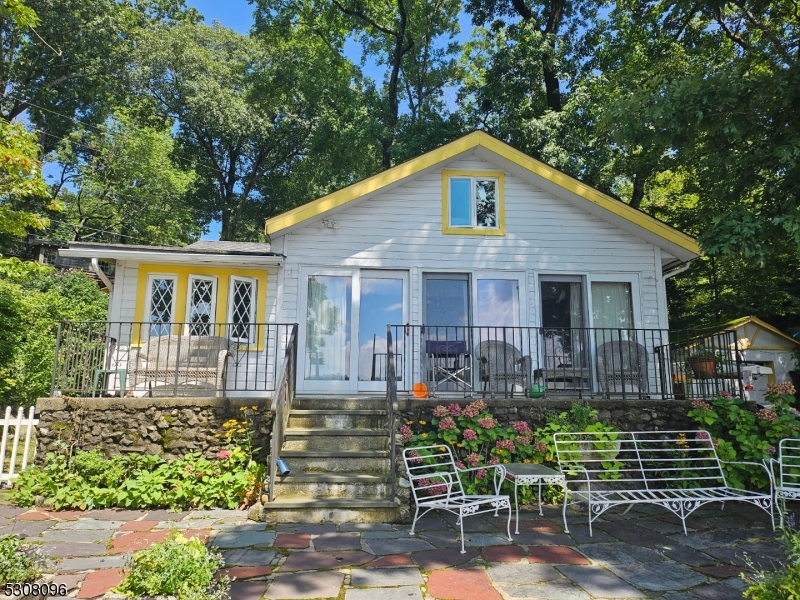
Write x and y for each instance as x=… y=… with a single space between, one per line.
x=473 y=203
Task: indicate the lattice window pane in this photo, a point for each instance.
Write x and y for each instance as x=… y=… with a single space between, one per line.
x=201 y=307
x=162 y=293
x=242 y=310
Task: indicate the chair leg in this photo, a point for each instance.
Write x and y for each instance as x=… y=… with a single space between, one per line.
x=564 y=511
x=508 y=526
x=414 y=522
x=461 y=523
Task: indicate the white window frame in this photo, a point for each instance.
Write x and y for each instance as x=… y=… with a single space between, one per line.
x=215 y=291
x=473 y=202
x=636 y=299
x=149 y=300
x=254 y=300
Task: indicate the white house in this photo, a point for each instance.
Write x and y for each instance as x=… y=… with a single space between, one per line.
x=496 y=270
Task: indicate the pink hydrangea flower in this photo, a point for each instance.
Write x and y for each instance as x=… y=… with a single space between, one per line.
x=495 y=460
x=223 y=454
x=454 y=410
x=473 y=459
x=524 y=440
x=540 y=447
x=725 y=394
x=487 y=422
x=521 y=427
x=440 y=411
x=446 y=424
x=470 y=412
x=460 y=464
x=405 y=432
x=767 y=414
x=771 y=450
x=481 y=473
x=700 y=405
x=470 y=435
x=505 y=445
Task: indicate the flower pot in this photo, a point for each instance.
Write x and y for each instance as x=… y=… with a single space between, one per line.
x=703 y=367
x=536 y=391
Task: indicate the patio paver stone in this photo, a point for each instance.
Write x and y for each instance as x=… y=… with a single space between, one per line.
x=561 y=589
x=306 y=585
x=337 y=541
x=556 y=555
x=659 y=577
x=385 y=577
x=247 y=590
x=99 y=582
x=523 y=573
x=470 y=584
x=292 y=540
x=246 y=539
x=307 y=561
x=503 y=553
x=596 y=581
x=430 y=560
x=405 y=592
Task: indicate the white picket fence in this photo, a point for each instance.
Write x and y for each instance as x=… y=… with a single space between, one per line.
x=10 y=471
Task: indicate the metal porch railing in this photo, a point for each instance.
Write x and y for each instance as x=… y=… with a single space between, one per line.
x=167 y=359
x=281 y=406
x=566 y=361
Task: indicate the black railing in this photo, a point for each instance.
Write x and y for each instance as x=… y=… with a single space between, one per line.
x=281 y=406
x=167 y=359
x=391 y=407
x=578 y=362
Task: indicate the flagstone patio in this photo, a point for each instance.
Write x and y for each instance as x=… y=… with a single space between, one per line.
x=642 y=554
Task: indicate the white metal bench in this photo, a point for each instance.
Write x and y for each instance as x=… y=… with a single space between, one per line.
x=677 y=470
x=787 y=478
x=436 y=485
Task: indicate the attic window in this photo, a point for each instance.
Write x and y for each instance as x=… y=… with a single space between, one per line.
x=472 y=203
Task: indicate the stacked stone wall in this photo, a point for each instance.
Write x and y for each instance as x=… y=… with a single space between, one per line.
x=171 y=427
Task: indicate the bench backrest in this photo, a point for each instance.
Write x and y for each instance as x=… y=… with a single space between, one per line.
x=172 y=351
x=642 y=459
x=789 y=463
x=432 y=474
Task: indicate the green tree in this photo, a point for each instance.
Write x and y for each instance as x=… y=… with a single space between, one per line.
x=120 y=183
x=33 y=299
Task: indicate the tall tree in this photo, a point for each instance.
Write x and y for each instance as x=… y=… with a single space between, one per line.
x=119 y=183
x=410 y=39
x=67 y=58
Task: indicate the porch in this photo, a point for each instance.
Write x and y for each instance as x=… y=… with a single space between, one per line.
x=174 y=359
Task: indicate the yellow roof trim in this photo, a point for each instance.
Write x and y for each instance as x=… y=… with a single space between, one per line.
x=758 y=323
x=468 y=142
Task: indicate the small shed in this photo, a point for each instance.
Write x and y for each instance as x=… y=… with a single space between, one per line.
x=763 y=344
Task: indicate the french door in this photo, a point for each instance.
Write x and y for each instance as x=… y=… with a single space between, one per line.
x=343 y=330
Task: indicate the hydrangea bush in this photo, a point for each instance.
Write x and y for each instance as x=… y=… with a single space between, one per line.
x=742 y=435
x=477 y=440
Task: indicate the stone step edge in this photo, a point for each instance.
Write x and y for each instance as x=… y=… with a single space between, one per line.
x=303 y=412
x=340 y=477
x=292 y=431
x=352 y=503
x=335 y=453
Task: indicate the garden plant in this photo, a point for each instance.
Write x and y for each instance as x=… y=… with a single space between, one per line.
x=478 y=440
x=180 y=567
x=782 y=583
x=740 y=434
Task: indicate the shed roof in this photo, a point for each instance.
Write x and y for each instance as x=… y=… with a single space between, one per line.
x=736 y=323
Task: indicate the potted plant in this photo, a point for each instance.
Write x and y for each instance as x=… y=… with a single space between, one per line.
x=703 y=362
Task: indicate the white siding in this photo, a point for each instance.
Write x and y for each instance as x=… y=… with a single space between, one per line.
x=402 y=229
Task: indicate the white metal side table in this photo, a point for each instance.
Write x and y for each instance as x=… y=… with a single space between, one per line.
x=532 y=474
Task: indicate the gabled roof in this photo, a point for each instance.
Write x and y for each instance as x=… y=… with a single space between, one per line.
x=540 y=174
x=736 y=323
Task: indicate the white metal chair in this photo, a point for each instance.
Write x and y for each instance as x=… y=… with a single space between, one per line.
x=787 y=478
x=436 y=485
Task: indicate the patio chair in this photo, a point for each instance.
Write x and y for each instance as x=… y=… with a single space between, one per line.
x=787 y=478
x=450 y=365
x=622 y=363
x=436 y=485
x=502 y=367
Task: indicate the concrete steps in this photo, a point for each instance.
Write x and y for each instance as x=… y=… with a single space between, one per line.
x=338 y=453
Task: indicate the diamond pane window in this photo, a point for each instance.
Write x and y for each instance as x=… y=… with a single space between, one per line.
x=162 y=296
x=201 y=306
x=242 y=308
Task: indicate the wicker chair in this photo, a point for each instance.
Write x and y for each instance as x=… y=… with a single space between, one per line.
x=181 y=361
x=502 y=367
x=622 y=364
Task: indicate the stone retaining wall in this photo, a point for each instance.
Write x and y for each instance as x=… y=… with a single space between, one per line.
x=170 y=427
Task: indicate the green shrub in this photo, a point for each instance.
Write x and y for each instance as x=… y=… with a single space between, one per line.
x=19 y=563
x=478 y=440
x=90 y=481
x=783 y=583
x=741 y=435
x=176 y=567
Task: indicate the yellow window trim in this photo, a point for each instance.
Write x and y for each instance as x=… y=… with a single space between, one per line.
x=182 y=273
x=500 y=230
x=464 y=144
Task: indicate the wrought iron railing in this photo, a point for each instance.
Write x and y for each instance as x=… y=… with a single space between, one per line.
x=573 y=361
x=281 y=406
x=391 y=407
x=167 y=359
